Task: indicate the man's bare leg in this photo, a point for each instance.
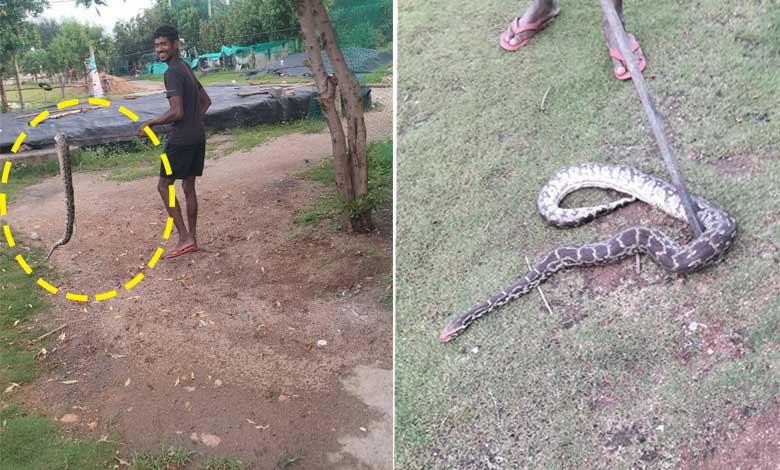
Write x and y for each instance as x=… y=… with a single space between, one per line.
x=175 y=212
x=188 y=185
x=539 y=10
x=617 y=66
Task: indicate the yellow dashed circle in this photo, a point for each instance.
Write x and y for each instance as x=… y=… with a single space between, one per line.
x=7 y=229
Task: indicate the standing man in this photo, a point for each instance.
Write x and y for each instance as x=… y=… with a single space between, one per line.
x=186 y=142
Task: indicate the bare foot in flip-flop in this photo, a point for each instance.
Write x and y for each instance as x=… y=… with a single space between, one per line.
x=619 y=66
x=522 y=28
x=183 y=247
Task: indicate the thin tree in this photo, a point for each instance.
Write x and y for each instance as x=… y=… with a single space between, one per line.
x=349 y=151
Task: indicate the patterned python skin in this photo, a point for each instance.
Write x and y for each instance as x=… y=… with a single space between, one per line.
x=719 y=232
x=63 y=155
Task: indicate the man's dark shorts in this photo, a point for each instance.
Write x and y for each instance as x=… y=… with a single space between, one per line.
x=185 y=160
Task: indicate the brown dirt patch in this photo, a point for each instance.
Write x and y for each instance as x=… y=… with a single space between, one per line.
x=738 y=165
x=223 y=342
x=755 y=446
x=123 y=85
x=705 y=343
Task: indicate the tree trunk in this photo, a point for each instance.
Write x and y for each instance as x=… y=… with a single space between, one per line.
x=3 y=99
x=349 y=153
x=62 y=83
x=18 y=82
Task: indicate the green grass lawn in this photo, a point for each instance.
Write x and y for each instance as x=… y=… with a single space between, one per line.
x=632 y=382
x=29 y=440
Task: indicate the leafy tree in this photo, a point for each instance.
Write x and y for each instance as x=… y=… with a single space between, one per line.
x=15 y=34
x=35 y=61
x=47 y=29
x=68 y=49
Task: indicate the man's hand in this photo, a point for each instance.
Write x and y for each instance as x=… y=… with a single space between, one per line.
x=141 y=132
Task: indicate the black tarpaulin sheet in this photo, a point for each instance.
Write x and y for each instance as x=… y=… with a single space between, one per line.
x=104 y=125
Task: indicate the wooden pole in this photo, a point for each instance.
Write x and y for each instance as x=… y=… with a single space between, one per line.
x=3 y=99
x=656 y=122
x=18 y=82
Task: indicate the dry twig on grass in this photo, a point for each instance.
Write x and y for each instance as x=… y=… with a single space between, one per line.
x=539 y=288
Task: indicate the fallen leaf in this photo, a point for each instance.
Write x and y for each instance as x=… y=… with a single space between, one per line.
x=250 y=421
x=70 y=418
x=69 y=382
x=283 y=398
x=259 y=426
x=115 y=356
x=190 y=389
x=11 y=387
x=127 y=382
x=177 y=382
x=92 y=425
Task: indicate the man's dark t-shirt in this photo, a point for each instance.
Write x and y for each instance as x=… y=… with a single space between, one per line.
x=180 y=81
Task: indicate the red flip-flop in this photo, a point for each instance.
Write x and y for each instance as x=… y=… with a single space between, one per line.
x=191 y=248
x=517 y=29
x=617 y=55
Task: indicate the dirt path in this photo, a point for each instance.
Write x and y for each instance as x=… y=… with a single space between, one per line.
x=218 y=351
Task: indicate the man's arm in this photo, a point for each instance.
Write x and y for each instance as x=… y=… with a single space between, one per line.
x=204 y=100
x=175 y=113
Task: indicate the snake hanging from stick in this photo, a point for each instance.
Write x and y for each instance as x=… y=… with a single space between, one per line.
x=63 y=157
x=720 y=230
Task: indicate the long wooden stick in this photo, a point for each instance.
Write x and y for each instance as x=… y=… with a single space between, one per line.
x=656 y=122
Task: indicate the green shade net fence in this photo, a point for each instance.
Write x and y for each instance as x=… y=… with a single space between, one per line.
x=361 y=25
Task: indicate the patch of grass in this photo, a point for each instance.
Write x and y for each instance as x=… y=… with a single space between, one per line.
x=221 y=463
x=174 y=458
x=377 y=75
x=33 y=442
x=288 y=461
x=20 y=300
x=331 y=206
x=249 y=137
x=327 y=207
x=541 y=391
x=29 y=441
x=323 y=172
